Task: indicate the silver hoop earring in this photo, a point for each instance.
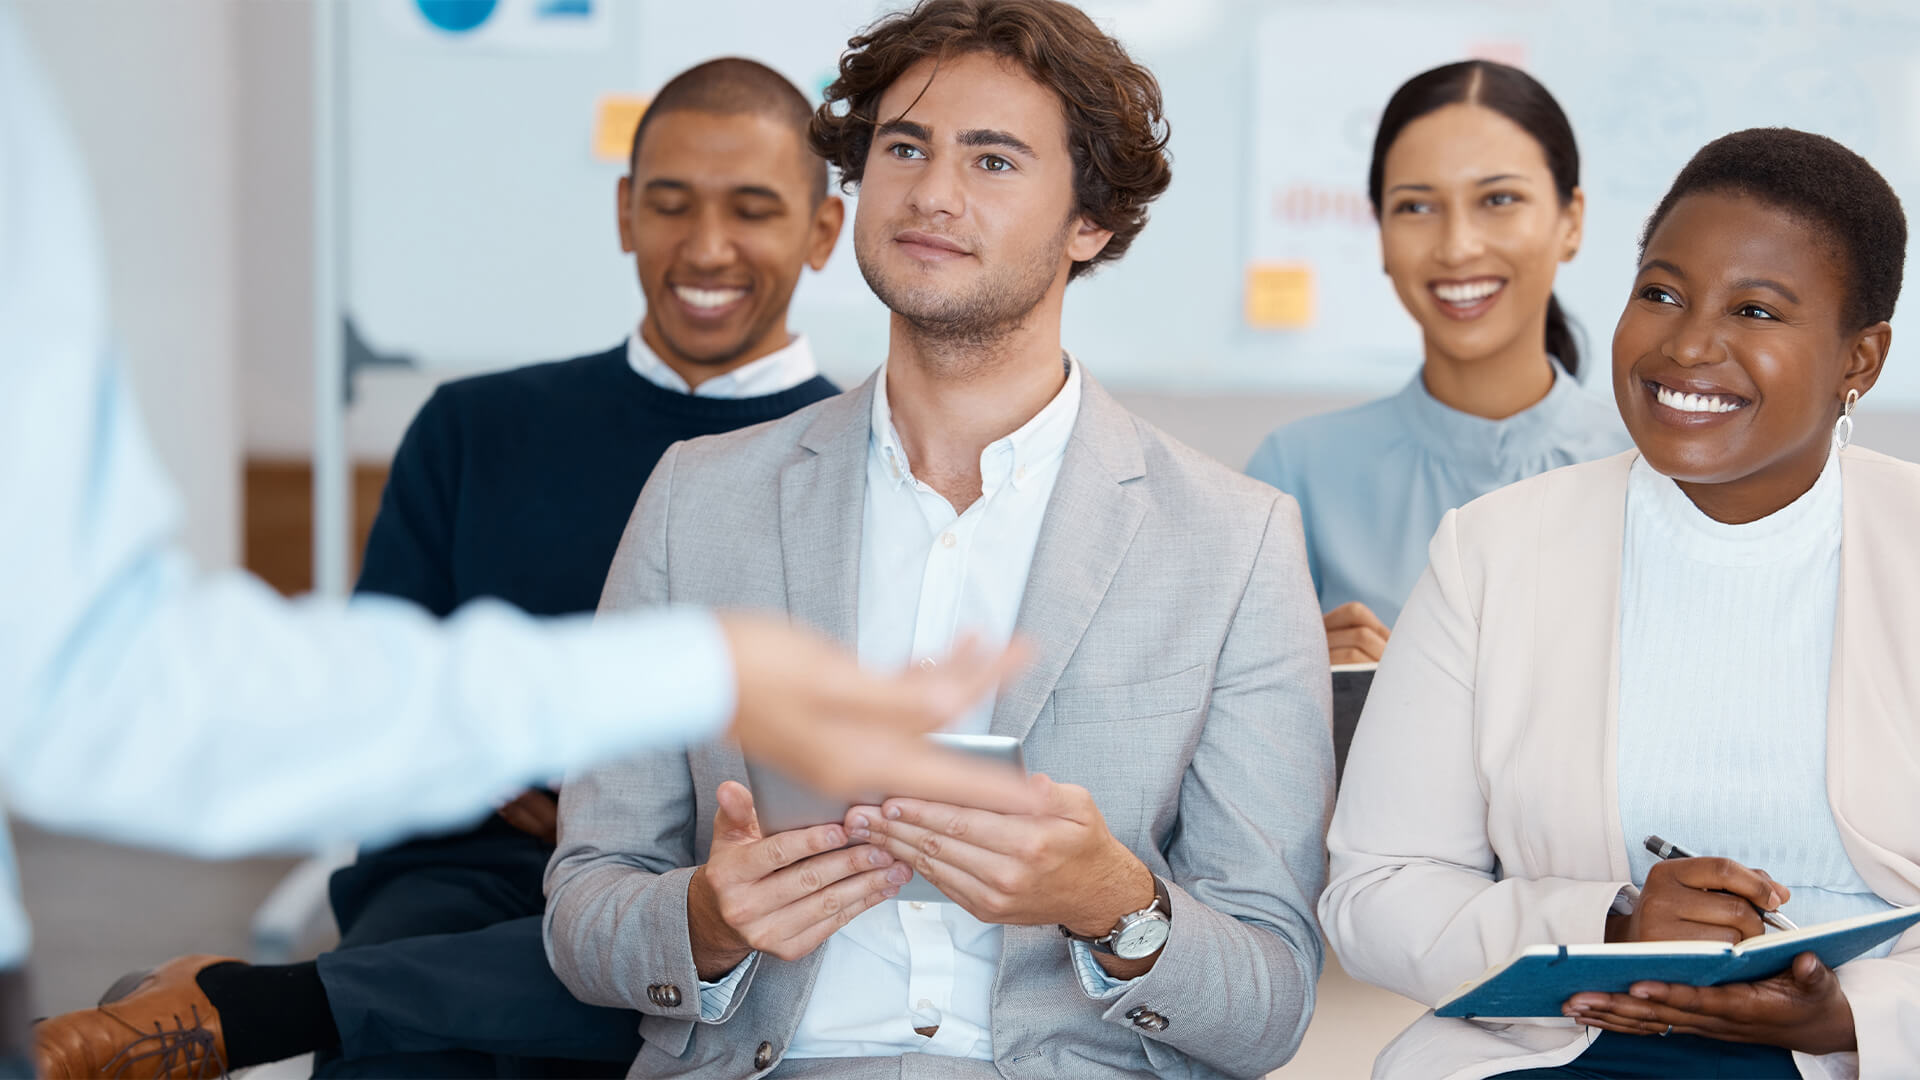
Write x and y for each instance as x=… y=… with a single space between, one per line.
x=1843 y=427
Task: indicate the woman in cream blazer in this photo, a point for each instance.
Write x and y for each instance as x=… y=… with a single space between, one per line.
x=1480 y=811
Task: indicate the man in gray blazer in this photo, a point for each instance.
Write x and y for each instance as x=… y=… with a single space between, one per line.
x=1149 y=913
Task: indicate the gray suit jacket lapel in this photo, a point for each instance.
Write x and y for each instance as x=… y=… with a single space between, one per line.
x=1089 y=526
x=822 y=505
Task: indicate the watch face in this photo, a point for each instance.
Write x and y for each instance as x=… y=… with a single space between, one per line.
x=1141 y=938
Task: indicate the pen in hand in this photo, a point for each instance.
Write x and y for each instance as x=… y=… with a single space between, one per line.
x=1667 y=850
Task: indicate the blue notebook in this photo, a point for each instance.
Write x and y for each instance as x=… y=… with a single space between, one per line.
x=1542 y=977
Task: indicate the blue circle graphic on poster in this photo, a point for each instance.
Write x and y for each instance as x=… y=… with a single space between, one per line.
x=456 y=16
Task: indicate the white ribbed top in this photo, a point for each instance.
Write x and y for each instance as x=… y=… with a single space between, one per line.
x=1726 y=641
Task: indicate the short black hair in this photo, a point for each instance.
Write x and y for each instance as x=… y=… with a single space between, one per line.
x=733 y=85
x=1825 y=185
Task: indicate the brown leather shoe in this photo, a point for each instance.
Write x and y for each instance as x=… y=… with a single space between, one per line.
x=149 y=1024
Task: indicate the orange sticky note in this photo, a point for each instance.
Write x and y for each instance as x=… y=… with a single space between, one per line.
x=1279 y=295
x=616 y=117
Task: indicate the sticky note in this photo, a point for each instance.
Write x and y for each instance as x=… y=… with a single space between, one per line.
x=616 y=117
x=1279 y=295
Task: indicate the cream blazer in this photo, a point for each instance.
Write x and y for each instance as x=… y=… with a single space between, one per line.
x=1479 y=812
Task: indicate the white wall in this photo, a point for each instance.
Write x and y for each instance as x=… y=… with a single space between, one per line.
x=273 y=134
x=274 y=146
x=195 y=116
x=148 y=88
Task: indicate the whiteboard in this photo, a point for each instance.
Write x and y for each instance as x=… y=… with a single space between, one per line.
x=478 y=227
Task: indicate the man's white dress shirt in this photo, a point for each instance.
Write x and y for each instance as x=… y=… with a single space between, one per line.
x=927 y=575
x=771 y=374
x=142 y=702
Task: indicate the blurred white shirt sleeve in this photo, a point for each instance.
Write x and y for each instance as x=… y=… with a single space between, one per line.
x=143 y=702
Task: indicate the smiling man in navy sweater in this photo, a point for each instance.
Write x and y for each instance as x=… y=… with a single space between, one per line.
x=517 y=485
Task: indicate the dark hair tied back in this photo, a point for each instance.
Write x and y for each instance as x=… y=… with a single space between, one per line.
x=1520 y=98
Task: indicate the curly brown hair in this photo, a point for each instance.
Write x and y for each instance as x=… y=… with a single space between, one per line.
x=1116 y=128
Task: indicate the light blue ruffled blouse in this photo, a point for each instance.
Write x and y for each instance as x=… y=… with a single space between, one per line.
x=1373 y=481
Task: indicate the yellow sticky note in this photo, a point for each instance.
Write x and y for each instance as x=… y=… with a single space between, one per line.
x=616 y=117
x=1279 y=295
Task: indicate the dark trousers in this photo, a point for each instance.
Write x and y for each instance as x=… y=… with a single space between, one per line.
x=1669 y=1057
x=441 y=970
x=16 y=1026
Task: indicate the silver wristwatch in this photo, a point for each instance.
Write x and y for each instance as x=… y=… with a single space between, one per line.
x=1138 y=934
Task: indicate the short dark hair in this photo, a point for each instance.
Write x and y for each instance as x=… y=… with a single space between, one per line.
x=1520 y=98
x=1116 y=127
x=1825 y=185
x=732 y=85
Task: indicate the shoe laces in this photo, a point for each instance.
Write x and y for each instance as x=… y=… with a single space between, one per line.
x=192 y=1050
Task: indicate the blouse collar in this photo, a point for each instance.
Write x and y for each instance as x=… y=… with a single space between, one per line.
x=1462 y=435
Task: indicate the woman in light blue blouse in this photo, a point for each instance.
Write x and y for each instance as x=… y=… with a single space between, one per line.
x=1475 y=182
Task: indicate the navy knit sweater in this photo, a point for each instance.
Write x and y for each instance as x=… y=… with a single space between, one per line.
x=517 y=485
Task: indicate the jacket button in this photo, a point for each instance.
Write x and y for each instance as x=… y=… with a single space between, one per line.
x=763 y=1057
x=1149 y=1021
x=1134 y=1013
x=669 y=997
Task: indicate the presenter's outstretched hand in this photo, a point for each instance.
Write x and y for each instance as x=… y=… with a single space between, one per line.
x=807 y=707
x=1355 y=635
